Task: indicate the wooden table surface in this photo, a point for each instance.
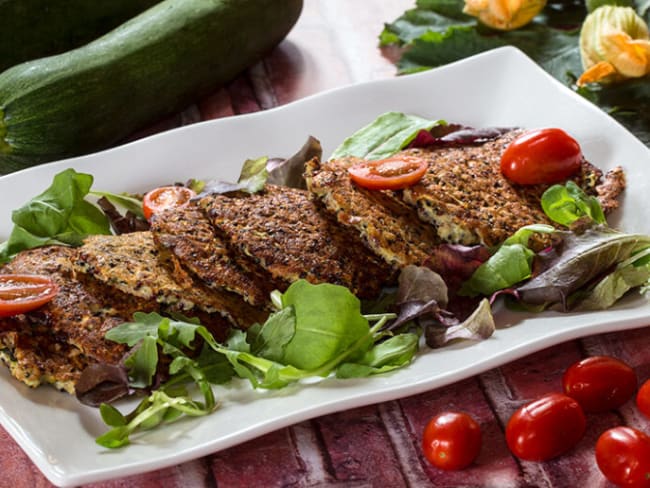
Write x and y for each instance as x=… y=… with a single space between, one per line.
x=335 y=44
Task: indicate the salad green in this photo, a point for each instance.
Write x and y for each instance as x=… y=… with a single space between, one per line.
x=317 y=331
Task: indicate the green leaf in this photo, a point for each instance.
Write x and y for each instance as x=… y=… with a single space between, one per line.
x=143 y=325
x=393 y=353
x=583 y=257
x=437 y=33
x=59 y=215
x=114 y=438
x=142 y=363
x=613 y=286
x=253 y=175
x=567 y=203
x=111 y=415
x=123 y=200
x=509 y=265
x=328 y=321
x=384 y=136
x=276 y=333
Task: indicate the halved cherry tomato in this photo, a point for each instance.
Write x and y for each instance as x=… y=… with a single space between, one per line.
x=600 y=383
x=21 y=293
x=546 y=427
x=541 y=156
x=392 y=173
x=643 y=399
x=623 y=456
x=165 y=197
x=451 y=440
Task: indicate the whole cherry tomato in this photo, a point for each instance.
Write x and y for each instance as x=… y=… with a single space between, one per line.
x=541 y=156
x=546 y=427
x=393 y=173
x=600 y=383
x=165 y=197
x=643 y=399
x=21 y=293
x=623 y=456
x=451 y=440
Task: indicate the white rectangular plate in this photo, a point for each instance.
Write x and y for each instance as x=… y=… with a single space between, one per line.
x=498 y=88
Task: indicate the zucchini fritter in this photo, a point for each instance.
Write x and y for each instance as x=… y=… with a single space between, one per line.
x=285 y=232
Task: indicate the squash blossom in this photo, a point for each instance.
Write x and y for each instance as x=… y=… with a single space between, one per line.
x=504 y=14
x=614 y=45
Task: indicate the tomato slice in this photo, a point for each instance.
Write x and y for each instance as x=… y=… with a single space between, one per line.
x=451 y=440
x=393 y=173
x=600 y=383
x=541 y=156
x=165 y=197
x=22 y=293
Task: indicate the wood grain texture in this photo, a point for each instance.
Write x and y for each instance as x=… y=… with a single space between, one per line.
x=335 y=44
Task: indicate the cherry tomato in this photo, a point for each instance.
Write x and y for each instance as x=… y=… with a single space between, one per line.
x=166 y=197
x=22 y=293
x=451 y=440
x=541 y=156
x=623 y=456
x=643 y=399
x=600 y=383
x=392 y=173
x=546 y=427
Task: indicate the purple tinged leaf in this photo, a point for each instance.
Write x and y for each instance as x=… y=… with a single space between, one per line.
x=456 y=135
x=102 y=383
x=480 y=325
x=580 y=259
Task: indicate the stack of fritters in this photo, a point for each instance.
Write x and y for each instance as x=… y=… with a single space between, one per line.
x=463 y=198
x=219 y=258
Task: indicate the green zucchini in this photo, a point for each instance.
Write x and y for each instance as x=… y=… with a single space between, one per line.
x=155 y=64
x=34 y=29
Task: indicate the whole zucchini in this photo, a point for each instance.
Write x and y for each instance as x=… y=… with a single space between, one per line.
x=153 y=65
x=34 y=29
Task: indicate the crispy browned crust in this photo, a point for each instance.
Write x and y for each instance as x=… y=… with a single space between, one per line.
x=134 y=265
x=189 y=236
x=56 y=342
x=387 y=226
x=285 y=232
x=467 y=199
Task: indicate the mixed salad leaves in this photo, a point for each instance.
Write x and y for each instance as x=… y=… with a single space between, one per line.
x=321 y=330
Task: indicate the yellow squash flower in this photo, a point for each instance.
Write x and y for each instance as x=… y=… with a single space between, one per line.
x=614 y=45
x=504 y=14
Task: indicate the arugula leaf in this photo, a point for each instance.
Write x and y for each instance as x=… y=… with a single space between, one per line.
x=59 y=215
x=393 y=353
x=384 y=136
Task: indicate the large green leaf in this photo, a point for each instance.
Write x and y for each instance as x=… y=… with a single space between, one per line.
x=437 y=32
